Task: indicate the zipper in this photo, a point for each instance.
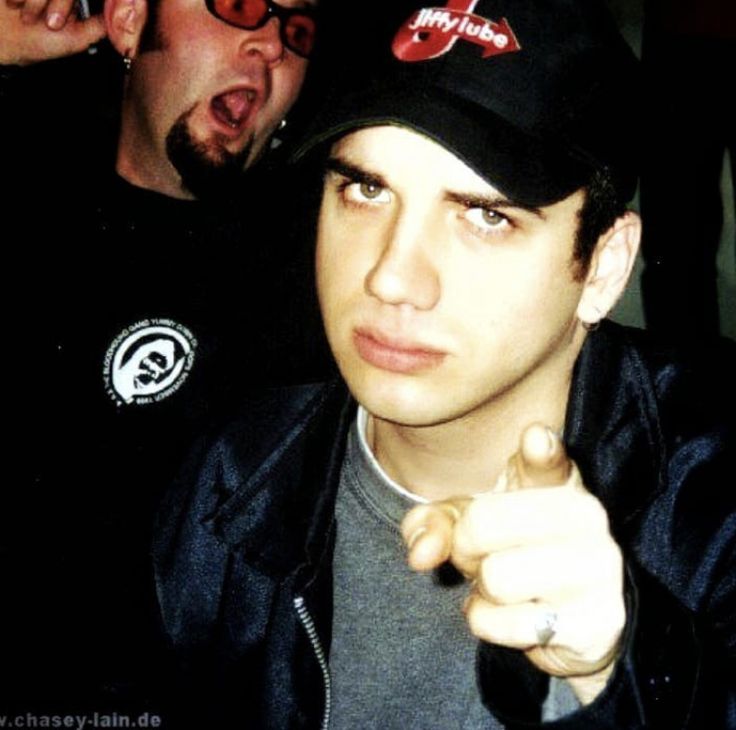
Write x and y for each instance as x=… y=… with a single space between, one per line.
x=308 y=623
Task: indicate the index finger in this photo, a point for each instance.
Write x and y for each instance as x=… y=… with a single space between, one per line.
x=541 y=460
x=525 y=517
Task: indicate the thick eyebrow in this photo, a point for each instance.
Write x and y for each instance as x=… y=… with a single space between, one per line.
x=492 y=202
x=469 y=200
x=353 y=172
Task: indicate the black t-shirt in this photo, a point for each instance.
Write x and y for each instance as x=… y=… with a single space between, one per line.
x=134 y=324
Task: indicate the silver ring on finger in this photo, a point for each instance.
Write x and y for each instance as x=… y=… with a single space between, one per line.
x=546 y=626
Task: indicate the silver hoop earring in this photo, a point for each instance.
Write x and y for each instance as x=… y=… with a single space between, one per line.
x=276 y=140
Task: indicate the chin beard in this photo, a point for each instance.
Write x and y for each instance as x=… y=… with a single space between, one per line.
x=206 y=171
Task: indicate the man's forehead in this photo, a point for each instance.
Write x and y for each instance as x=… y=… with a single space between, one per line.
x=383 y=149
x=400 y=157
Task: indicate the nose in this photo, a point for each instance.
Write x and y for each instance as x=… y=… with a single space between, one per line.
x=404 y=273
x=265 y=42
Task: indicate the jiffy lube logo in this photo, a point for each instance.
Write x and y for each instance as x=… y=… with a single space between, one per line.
x=430 y=32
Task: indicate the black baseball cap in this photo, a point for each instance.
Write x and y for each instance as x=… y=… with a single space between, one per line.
x=533 y=95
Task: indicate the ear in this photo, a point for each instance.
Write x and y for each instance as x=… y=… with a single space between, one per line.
x=610 y=267
x=125 y=20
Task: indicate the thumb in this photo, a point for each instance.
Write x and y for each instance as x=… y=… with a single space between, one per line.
x=541 y=460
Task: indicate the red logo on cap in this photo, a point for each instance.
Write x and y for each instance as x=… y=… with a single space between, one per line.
x=430 y=32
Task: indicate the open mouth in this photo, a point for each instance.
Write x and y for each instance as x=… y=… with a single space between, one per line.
x=233 y=108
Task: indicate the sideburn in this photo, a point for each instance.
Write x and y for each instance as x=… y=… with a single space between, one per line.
x=152 y=37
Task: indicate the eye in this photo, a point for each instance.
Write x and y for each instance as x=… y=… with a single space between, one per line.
x=487 y=221
x=366 y=193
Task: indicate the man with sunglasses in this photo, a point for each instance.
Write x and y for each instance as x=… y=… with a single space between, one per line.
x=202 y=97
x=158 y=226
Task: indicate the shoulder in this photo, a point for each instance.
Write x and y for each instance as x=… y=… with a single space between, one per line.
x=693 y=387
x=653 y=425
x=656 y=432
x=680 y=390
x=248 y=456
x=244 y=498
x=271 y=419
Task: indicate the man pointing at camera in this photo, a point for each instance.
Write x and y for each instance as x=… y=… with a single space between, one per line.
x=508 y=512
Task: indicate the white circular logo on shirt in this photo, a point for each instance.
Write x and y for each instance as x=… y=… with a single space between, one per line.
x=149 y=361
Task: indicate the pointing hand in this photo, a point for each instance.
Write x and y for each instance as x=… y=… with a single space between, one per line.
x=546 y=575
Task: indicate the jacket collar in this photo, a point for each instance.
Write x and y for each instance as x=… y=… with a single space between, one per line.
x=282 y=509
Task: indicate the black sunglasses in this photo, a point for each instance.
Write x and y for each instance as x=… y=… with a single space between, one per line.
x=297 y=25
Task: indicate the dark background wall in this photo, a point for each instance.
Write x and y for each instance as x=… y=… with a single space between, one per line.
x=629 y=14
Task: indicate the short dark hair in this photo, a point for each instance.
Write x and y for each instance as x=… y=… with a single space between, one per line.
x=603 y=204
x=150 y=39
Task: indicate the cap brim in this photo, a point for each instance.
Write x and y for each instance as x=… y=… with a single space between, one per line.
x=515 y=163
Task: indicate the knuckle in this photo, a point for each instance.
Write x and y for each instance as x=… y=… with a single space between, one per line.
x=615 y=558
x=475 y=617
x=461 y=544
x=601 y=564
x=491 y=579
x=617 y=615
x=474 y=520
x=608 y=558
x=413 y=519
x=493 y=568
x=605 y=632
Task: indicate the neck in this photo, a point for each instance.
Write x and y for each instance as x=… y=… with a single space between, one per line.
x=466 y=456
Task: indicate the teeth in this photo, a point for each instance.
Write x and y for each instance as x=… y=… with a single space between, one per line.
x=233 y=107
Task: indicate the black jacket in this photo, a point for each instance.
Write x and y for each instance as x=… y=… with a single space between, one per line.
x=243 y=553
